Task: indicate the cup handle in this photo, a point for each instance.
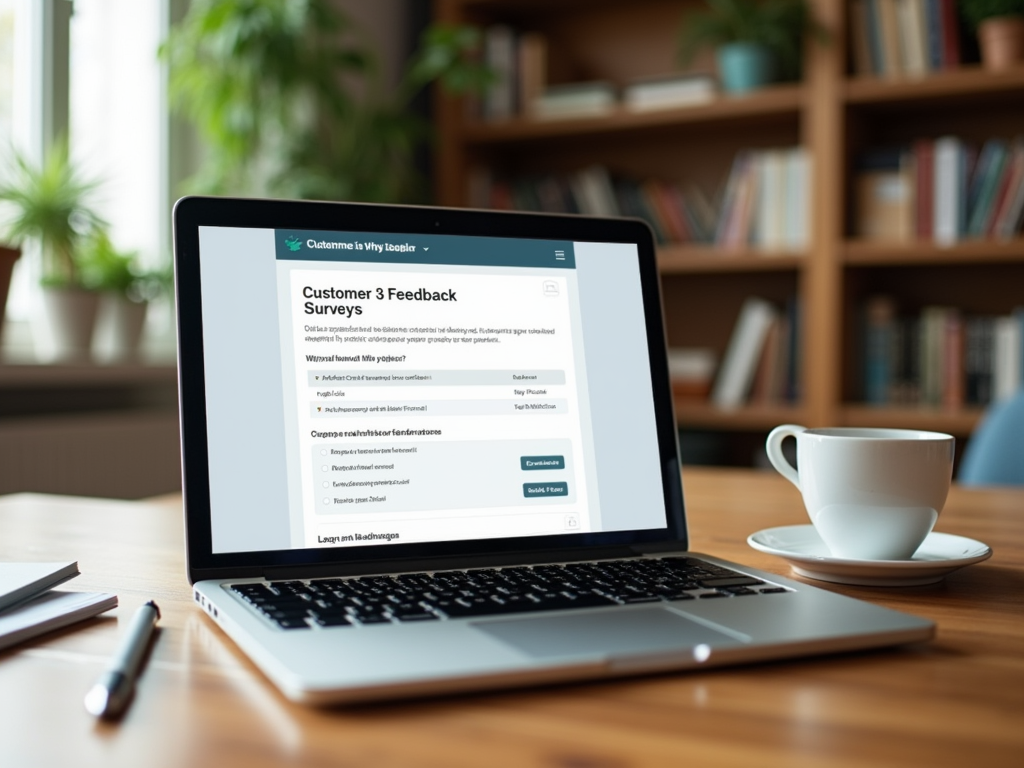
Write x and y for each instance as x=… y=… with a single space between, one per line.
x=773 y=446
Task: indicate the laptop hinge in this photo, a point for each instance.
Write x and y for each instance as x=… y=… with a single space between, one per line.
x=327 y=570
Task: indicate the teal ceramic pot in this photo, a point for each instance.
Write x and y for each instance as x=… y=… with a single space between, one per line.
x=743 y=67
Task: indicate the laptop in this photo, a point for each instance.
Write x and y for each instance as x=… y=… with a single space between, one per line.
x=433 y=450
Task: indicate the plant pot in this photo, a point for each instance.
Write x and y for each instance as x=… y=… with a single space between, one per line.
x=1002 y=42
x=7 y=258
x=119 y=328
x=68 y=319
x=744 y=67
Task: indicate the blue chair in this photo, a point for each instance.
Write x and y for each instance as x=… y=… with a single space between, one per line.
x=995 y=452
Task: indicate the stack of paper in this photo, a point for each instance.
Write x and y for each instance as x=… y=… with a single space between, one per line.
x=30 y=607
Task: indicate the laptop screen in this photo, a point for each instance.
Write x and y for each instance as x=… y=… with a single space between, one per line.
x=371 y=388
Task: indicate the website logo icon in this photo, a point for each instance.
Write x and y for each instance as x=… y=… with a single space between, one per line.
x=293 y=243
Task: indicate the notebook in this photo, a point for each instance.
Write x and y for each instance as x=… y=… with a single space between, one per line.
x=49 y=611
x=22 y=581
x=432 y=450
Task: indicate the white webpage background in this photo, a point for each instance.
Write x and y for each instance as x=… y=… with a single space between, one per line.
x=467 y=413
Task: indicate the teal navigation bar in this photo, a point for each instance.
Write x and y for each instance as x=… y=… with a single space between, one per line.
x=392 y=248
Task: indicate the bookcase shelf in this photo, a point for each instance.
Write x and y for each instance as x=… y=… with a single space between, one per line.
x=770 y=104
x=682 y=259
x=702 y=415
x=831 y=114
x=874 y=253
x=952 y=86
x=959 y=422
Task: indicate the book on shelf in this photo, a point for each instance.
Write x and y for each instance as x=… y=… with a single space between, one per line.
x=572 y=100
x=761 y=361
x=950 y=201
x=691 y=370
x=911 y=38
x=668 y=92
x=763 y=206
x=732 y=385
x=884 y=195
x=499 y=44
x=532 y=71
x=941 y=189
x=940 y=356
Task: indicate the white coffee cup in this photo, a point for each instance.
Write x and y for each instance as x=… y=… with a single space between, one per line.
x=872 y=494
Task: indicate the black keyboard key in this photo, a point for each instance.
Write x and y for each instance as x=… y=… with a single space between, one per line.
x=371 y=618
x=734 y=581
x=333 y=621
x=277 y=615
x=772 y=590
x=420 y=615
x=707 y=595
x=292 y=624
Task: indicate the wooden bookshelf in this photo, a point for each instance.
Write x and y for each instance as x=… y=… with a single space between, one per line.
x=832 y=113
x=683 y=259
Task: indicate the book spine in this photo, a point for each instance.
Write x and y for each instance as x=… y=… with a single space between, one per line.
x=1009 y=219
x=859 y=21
x=948 y=190
x=879 y=315
x=910 y=17
x=951 y=35
x=986 y=342
x=953 y=361
x=1006 y=359
x=736 y=375
x=988 y=188
x=533 y=66
x=933 y=27
x=933 y=324
x=924 y=188
x=890 y=36
x=500 y=55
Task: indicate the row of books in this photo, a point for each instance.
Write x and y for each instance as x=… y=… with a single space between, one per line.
x=893 y=38
x=761 y=365
x=763 y=202
x=676 y=213
x=519 y=60
x=940 y=356
x=941 y=189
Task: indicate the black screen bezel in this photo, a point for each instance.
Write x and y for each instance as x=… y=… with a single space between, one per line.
x=191 y=213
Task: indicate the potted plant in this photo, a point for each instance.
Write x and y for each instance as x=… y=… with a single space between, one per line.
x=755 y=43
x=1000 y=29
x=47 y=206
x=125 y=291
x=8 y=256
x=289 y=102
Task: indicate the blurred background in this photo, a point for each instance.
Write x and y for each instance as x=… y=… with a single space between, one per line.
x=836 y=188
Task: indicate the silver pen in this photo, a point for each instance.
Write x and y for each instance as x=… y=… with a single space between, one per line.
x=112 y=692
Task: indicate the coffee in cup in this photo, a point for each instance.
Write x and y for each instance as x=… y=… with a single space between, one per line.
x=872 y=494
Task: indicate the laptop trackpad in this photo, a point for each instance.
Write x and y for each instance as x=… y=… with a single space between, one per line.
x=608 y=633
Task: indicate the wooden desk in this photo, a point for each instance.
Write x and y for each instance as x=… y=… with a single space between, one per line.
x=954 y=702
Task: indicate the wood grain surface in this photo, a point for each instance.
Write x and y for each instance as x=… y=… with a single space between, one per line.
x=958 y=700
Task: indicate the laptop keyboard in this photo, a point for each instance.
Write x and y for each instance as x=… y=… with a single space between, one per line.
x=493 y=591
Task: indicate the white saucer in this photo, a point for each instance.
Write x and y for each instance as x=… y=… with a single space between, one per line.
x=940 y=554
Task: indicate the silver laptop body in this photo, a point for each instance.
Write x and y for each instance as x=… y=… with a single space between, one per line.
x=430 y=450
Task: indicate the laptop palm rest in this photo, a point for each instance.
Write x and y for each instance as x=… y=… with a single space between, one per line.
x=605 y=633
